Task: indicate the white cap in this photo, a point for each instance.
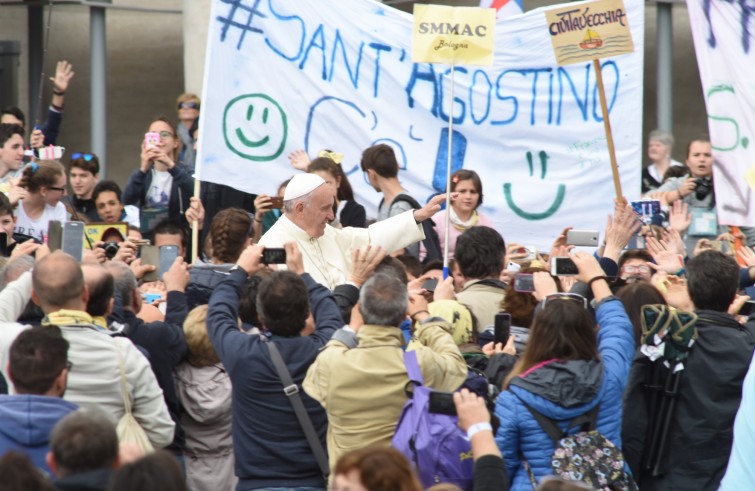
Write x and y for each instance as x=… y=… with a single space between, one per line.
x=302 y=184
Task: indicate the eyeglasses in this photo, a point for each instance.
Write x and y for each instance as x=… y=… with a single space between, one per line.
x=62 y=190
x=628 y=268
x=86 y=156
x=572 y=297
x=166 y=134
x=188 y=105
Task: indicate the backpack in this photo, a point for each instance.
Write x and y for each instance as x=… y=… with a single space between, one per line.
x=431 y=240
x=586 y=456
x=434 y=444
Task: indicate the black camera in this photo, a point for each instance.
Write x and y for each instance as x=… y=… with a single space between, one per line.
x=704 y=186
x=111 y=249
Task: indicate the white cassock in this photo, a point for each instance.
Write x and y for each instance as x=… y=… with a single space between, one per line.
x=328 y=258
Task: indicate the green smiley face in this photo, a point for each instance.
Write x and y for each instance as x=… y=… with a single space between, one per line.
x=255 y=127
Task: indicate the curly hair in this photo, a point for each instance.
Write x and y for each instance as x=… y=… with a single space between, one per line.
x=228 y=234
x=43 y=173
x=200 y=350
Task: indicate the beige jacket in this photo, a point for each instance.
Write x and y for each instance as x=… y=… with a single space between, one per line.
x=362 y=389
x=484 y=301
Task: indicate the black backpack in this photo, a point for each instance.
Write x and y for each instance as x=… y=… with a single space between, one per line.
x=431 y=241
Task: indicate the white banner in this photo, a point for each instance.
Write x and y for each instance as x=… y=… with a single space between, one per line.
x=725 y=48
x=286 y=74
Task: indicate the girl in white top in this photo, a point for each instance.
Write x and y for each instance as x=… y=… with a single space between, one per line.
x=45 y=184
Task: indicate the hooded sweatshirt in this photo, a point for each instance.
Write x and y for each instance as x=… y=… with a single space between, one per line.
x=26 y=422
x=563 y=390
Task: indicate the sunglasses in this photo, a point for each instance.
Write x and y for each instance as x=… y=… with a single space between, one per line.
x=571 y=297
x=188 y=105
x=86 y=156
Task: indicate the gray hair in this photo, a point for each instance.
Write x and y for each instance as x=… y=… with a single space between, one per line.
x=15 y=268
x=662 y=136
x=125 y=280
x=383 y=300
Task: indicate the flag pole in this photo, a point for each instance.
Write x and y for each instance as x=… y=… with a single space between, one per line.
x=448 y=177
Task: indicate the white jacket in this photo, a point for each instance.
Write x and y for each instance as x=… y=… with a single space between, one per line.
x=94 y=379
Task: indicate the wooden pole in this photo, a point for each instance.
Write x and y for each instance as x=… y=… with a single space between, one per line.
x=448 y=177
x=609 y=135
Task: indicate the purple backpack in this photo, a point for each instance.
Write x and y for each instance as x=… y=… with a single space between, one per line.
x=433 y=443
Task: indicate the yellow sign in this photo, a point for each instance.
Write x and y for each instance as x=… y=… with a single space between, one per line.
x=96 y=231
x=453 y=35
x=589 y=31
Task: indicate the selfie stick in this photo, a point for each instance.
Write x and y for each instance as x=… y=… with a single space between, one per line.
x=448 y=177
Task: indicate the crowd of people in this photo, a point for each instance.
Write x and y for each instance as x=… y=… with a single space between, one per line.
x=289 y=356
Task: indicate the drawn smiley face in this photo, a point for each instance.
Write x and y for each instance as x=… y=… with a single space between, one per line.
x=255 y=127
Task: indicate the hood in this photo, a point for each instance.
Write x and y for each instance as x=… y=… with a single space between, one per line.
x=28 y=419
x=561 y=389
x=205 y=392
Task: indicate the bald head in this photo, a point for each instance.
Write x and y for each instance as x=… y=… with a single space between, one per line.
x=58 y=283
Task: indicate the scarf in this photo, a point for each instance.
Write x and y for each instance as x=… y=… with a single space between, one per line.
x=65 y=317
x=460 y=224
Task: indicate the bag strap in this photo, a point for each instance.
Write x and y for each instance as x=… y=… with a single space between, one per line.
x=587 y=422
x=124 y=385
x=412 y=367
x=292 y=392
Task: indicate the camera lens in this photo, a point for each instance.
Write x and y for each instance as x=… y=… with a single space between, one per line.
x=111 y=249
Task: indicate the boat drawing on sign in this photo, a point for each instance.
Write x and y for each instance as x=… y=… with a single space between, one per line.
x=591 y=40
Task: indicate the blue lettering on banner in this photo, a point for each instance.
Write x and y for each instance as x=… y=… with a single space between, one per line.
x=745 y=11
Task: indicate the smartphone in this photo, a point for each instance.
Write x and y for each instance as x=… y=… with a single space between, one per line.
x=513 y=267
x=442 y=403
x=531 y=252
x=501 y=327
x=72 y=242
x=589 y=238
x=274 y=255
x=276 y=202
x=647 y=207
x=152 y=139
x=524 y=282
x=150 y=298
x=168 y=255
x=150 y=254
x=748 y=308
x=3 y=244
x=563 y=266
x=54 y=235
x=430 y=285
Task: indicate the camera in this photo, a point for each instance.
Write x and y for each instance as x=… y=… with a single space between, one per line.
x=704 y=186
x=111 y=249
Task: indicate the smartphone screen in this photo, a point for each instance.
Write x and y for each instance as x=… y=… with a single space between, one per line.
x=748 y=308
x=150 y=255
x=563 y=266
x=524 y=282
x=54 y=235
x=3 y=244
x=430 y=284
x=168 y=255
x=274 y=255
x=442 y=403
x=73 y=239
x=502 y=327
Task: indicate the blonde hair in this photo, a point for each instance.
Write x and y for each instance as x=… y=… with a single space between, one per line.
x=201 y=352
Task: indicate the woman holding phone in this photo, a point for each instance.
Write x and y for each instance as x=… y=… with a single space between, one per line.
x=161 y=187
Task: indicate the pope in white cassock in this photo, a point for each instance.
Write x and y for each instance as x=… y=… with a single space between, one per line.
x=326 y=250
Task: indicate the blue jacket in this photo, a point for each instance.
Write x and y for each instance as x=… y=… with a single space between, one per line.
x=268 y=443
x=26 y=422
x=563 y=391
